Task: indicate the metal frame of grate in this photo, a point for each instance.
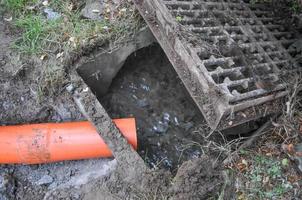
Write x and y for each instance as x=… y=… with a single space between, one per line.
x=228 y=53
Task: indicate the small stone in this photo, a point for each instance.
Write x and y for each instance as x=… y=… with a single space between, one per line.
x=51 y=15
x=93 y=10
x=2 y=183
x=96 y=11
x=45 y=180
x=86 y=89
x=9 y=19
x=42 y=57
x=106 y=28
x=6 y=105
x=45 y=3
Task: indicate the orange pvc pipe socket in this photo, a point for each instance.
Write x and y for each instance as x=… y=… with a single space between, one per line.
x=52 y=142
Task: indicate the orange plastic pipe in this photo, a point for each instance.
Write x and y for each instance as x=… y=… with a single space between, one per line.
x=51 y=142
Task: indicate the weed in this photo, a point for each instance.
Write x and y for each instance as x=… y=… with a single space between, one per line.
x=295 y=6
x=266 y=179
x=178 y=18
x=53 y=76
x=71 y=32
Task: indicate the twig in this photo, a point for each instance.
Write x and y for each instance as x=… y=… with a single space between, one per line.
x=249 y=141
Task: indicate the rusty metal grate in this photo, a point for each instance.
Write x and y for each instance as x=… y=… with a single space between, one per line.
x=228 y=53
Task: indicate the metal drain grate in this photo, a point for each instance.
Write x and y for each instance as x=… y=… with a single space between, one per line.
x=228 y=53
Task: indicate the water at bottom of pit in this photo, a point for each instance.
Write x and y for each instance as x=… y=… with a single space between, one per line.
x=169 y=125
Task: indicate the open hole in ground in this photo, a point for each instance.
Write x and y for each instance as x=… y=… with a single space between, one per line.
x=170 y=127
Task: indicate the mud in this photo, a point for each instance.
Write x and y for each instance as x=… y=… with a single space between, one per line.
x=196 y=179
x=22 y=101
x=199 y=179
x=36 y=181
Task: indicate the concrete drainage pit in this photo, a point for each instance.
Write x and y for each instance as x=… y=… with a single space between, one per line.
x=170 y=127
x=147 y=87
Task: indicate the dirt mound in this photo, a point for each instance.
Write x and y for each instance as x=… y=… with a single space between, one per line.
x=197 y=179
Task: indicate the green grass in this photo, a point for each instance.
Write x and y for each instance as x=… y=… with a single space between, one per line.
x=17 y=6
x=296 y=6
x=69 y=32
x=41 y=38
x=35 y=30
x=264 y=168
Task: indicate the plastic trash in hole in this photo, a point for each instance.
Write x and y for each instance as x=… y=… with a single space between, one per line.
x=175 y=121
x=145 y=87
x=161 y=127
x=166 y=117
x=51 y=14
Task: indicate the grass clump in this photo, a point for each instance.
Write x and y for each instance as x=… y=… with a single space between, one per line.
x=17 y=6
x=45 y=38
x=70 y=31
x=35 y=30
x=265 y=178
x=296 y=6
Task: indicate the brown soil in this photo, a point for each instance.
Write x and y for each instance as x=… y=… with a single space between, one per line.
x=196 y=179
x=21 y=104
x=22 y=100
x=126 y=176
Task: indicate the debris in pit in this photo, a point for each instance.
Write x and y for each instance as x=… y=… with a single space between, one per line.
x=148 y=88
x=161 y=127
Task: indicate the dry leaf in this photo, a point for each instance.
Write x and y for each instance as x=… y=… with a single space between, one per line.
x=43 y=57
x=96 y=11
x=8 y=19
x=45 y=3
x=59 y=55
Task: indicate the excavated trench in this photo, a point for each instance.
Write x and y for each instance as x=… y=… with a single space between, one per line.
x=170 y=127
